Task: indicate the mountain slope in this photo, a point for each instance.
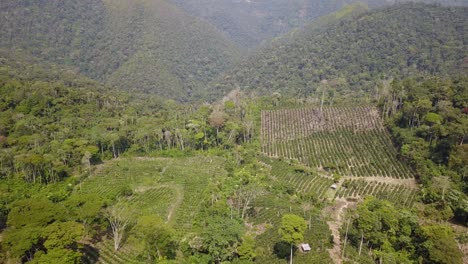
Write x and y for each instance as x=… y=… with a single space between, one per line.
x=248 y=23
x=144 y=45
x=355 y=51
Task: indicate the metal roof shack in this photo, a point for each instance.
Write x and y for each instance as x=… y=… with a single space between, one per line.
x=305 y=247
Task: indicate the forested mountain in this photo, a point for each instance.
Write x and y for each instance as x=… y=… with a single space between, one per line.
x=248 y=23
x=150 y=46
x=353 y=50
x=348 y=134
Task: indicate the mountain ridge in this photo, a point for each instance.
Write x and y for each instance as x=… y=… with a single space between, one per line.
x=106 y=39
x=355 y=53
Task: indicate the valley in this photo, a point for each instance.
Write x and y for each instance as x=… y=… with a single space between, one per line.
x=215 y=132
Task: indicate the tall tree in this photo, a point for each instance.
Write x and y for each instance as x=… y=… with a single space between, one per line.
x=217 y=121
x=292 y=230
x=158 y=237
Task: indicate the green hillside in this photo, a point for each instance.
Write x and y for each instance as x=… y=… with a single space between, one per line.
x=249 y=23
x=191 y=180
x=149 y=46
x=349 y=135
x=356 y=52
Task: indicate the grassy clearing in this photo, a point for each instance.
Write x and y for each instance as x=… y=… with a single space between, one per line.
x=171 y=188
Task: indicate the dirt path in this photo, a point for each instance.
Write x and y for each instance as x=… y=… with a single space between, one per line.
x=150 y=158
x=175 y=204
x=410 y=183
x=335 y=212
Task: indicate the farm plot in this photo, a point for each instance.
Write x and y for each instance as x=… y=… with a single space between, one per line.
x=396 y=193
x=171 y=188
x=270 y=209
x=351 y=141
x=301 y=182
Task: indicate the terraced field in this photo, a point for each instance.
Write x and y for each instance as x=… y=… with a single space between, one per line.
x=270 y=210
x=396 y=193
x=348 y=141
x=301 y=182
x=351 y=141
x=170 y=188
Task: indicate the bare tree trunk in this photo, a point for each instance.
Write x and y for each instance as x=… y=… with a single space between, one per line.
x=118 y=218
x=291 y=258
x=360 y=245
x=113 y=150
x=244 y=208
x=323 y=98
x=346 y=239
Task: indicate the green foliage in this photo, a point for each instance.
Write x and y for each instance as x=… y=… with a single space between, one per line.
x=396 y=234
x=57 y=255
x=20 y=242
x=62 y=235
x=439 y=245
x=250 y=23
x=37 y=212
x=428 y=122
x=149 y=46
x=433 y=118
x=220 y=237
x=292 y=228
x=158 y=238
x=355 y=53
x=246 y=250
x=85 y=209
x=79 y=123
x=35 y=227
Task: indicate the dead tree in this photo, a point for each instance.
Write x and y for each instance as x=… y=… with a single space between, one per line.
x=119 y=217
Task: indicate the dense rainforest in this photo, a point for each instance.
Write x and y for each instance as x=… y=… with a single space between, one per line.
x=429 y=122
x=249 y=23
x=107 y=154
x=149 y=46
x=355 y=51
x=67 y=124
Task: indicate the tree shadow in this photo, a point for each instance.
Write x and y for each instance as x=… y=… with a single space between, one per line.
x=90 y=254
x=283 y=250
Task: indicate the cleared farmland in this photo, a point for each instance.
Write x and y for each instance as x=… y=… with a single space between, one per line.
x=350 y=141
x=175 y=188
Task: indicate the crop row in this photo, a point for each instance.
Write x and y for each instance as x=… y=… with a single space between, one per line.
x=104 y=253
x=160 y=186
x=154 y=201
x=397 y=194
x=301 y=181
x=270 y=212
x=368 y=153
x=280 y=125
x=106 y=186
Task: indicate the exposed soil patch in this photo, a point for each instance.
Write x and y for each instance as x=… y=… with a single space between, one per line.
x=410 y=183
x=336 y=212
x=256 y=229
